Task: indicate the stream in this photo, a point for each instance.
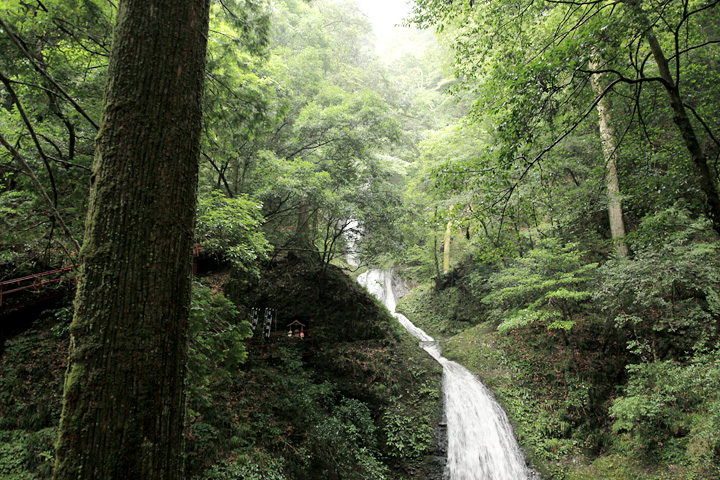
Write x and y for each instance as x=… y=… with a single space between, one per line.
x=481 y=443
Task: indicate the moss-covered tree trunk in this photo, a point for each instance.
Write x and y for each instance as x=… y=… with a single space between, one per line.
x=123 y=405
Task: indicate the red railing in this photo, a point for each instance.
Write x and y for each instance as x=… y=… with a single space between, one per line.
x=38 y=282
x=35 y=282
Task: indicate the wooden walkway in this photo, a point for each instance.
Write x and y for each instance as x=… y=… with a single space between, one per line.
x=38 y=284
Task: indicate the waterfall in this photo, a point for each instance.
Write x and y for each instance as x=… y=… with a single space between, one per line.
x=481 y=443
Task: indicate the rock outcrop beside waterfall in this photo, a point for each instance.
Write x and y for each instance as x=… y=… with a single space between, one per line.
x=365 y=354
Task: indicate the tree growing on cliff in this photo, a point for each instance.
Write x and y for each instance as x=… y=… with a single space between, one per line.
x=124 y=395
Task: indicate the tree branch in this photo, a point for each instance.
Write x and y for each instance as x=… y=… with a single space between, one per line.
x=694 y=47
x=702 y=122
x=221 y=173
x=624 y=79
x=30 y=128
x=26 y=167
x=45 y=74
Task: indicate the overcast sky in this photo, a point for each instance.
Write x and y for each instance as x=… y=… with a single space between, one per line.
x=384 y=14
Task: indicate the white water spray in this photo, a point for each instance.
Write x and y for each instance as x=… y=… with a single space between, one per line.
x=481 y=443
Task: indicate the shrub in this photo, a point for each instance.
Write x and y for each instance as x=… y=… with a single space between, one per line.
x=546 y=286
x=405 y=436
x=247 y=467
x=671 y=412
x=665 y=301
x=230 y=226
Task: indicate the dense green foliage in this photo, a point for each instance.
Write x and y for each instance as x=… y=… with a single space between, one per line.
x=229 y=226
x=360 y=408
x=608 y=366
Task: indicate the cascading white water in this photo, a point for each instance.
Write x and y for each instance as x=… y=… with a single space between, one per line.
x=481 y=444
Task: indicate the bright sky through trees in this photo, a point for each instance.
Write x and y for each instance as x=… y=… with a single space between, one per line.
x=384 y=15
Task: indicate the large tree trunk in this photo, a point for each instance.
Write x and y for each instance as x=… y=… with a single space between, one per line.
x=124 y=400
x=609 y=142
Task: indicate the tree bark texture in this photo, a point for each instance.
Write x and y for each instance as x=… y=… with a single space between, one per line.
x=124 y=400
x=609 y=142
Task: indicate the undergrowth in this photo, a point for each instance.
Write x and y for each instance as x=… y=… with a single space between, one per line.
x=363 y=407
x=607 y=371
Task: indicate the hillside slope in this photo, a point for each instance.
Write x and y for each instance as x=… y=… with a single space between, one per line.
x=365 y=405
x=583 y=404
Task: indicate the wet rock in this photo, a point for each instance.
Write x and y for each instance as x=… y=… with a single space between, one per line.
x=437 y=459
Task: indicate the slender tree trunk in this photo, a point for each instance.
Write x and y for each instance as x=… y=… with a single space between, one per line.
x=124 y=398
x=236 y=176
x=438 y=280
x=682 y=121
x=448 y=241
x=446 y=249
x=302 y=231
x=609 y=142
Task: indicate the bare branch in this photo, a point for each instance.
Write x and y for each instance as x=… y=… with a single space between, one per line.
x=221 y=173
x=45 y=74
x=30 y=128
x=623 y=79
x=702 y=122
x=694 y=47
x=26 y=167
